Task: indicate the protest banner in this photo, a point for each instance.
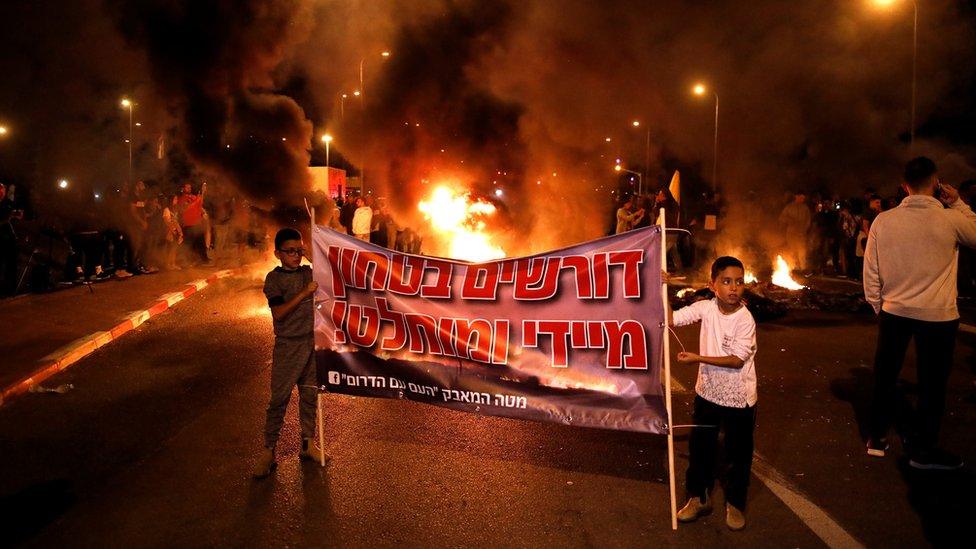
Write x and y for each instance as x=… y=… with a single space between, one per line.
x=572 y=336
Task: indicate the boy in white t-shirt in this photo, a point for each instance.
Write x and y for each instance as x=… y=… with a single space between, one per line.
x=725 y=393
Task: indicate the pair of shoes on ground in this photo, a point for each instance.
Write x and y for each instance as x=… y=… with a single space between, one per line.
x=696 y=507
x=266 y=463
x=935 y=459
x=99 y=274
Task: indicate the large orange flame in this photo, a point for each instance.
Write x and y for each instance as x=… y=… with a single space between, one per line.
x=782 y=276
x=459 y=221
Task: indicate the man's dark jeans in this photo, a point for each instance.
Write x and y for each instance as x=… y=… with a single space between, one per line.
x=934 y=345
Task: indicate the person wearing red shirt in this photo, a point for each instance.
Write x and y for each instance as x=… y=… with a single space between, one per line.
x=190 y=208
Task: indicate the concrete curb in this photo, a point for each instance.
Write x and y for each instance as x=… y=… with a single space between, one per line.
x=80 y=348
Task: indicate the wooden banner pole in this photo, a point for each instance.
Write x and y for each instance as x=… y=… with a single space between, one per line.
x=318 y=400
x=667 y=370
x=321 y=428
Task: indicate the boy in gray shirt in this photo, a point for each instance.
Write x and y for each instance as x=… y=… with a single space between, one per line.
x=290 y=291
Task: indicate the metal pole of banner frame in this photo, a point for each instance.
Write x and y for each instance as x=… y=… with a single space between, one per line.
x=667 y=369
x=319 y=420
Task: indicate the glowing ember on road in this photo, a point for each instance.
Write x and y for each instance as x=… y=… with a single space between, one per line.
x=459 y=220
x=782 y=276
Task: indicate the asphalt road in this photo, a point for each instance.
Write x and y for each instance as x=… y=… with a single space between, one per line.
x=154 y=447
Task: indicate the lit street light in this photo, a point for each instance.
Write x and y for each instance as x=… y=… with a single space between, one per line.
x=63 y=184
x=887 y=4
x=129 y=105
x=640 y=178
x=700 y=90
x=3 y=130
x=327 y=139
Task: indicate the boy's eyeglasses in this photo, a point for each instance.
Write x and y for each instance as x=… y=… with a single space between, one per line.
x=292 y=251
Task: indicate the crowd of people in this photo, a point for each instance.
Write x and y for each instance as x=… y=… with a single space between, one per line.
x=135 y=231
x=370 y=219
x=829 y=235
x=817 y=233
x=150 y=227
x=700 y=219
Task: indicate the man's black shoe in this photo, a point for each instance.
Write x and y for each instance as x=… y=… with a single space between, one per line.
x=936 y=460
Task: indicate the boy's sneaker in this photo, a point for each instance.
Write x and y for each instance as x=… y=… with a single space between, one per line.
x=122 y=273
x=734 y=518
x=877 y=447
x=695 y=508
x=265 y=464
x=936 y=460
x=311 y=452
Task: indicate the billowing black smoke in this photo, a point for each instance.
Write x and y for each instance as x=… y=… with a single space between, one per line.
x=433 y=117
x=214 y=61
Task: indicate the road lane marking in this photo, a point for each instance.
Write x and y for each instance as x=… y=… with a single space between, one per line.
x=84 y=346
x=825 y=527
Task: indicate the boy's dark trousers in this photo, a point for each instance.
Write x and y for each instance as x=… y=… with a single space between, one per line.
x=738 y=424
x=934 y=345
x=292 y=363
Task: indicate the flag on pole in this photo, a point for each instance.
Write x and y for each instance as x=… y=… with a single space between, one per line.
x=675 y=187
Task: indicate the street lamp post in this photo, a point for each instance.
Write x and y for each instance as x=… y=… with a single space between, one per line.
x=647 y=146
x=700 y=90
x=129 y=105
x=361 y=93
x=640 y=179
x=362 y=84
x=911 y=139
x=327 y=139
x=885 y=4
